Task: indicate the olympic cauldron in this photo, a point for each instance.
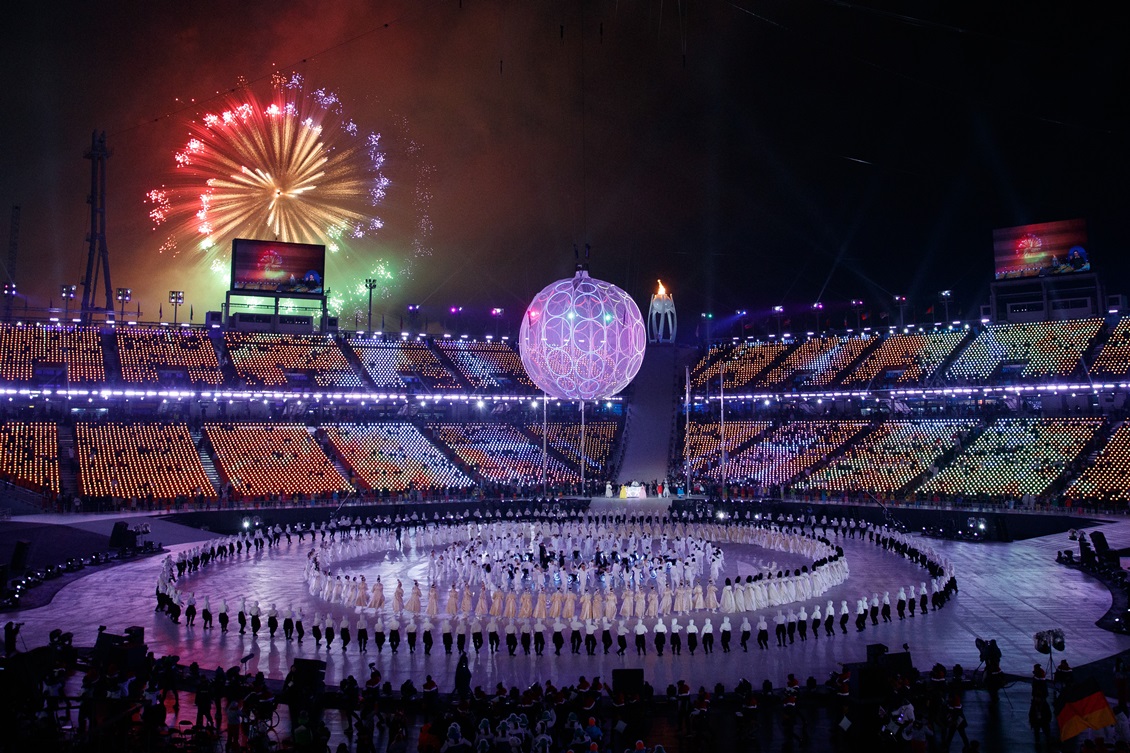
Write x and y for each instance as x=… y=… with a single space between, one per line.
x=582 y=338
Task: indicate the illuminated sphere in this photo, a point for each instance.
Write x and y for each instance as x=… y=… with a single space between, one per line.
x=582 y=339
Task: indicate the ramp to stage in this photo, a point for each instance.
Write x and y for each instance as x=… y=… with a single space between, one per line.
x=650 y=423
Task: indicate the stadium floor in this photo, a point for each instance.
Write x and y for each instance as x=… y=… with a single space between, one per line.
x=1007 y=592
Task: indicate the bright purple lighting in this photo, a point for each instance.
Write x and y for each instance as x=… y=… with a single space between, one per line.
x=582 y=339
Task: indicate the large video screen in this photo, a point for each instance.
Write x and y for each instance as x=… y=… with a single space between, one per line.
x=1049 y=248
x=275 y=268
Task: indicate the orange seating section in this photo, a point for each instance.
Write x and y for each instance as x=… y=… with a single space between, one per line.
x=134 y=461
x=265 y=459
x=143 y=352
x=263 y=360
x=29 y=455
x=1114 y=358
x=24 y=346
x=702 y=445
x=910 y=358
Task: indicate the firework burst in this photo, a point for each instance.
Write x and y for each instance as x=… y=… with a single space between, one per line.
x=292 y=167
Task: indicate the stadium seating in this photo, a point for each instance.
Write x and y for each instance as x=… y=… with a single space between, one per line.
x=702 y=445
x=889 y=458
x=149 y=354
x=788 y=451
x=263 y=360
x=799 y=365
x=488 y=365
x=565 y=438
x=828 y=366
x=1113 y=359
x=260 y=460
x=1106 y=479
x=393 y=456
x=139 y=460
x=500 y=453
x=1038 y=350
x=39 y=353
x=905 y=358
x=29 y=455
x=1015 y=456
x=400 y=365
x=741 y=364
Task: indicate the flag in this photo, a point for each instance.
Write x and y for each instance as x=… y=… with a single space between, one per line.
x=865 y=315
x=161 y=312
x=1084 y=707
x=190 y=312
x=930 y=310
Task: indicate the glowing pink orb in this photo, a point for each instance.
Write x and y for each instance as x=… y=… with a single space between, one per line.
x=582 y=339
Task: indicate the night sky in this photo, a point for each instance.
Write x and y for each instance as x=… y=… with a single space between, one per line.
x=748 y=153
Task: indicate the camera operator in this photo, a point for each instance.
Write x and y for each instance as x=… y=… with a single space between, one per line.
x=11 y=630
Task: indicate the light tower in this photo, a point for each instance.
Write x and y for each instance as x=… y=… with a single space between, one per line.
x=125 y=295
x=68 y=294
x=661 y=320
x=176 y=297
x=97 y=255
x=370 y=285
x=13 y=254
